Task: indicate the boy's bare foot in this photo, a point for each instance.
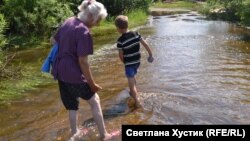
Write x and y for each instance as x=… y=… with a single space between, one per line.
x=138 y=105
x=130 y=102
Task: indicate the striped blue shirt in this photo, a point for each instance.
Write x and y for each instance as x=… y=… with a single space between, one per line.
x=129 y=43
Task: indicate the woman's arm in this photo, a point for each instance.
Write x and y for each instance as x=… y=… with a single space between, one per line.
x=84 y=65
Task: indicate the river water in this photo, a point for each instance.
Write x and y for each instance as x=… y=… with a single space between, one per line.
x=200 y=75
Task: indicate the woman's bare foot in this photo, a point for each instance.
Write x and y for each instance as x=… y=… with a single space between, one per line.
x=110 y=136
x=106 y=137
x=79 y=134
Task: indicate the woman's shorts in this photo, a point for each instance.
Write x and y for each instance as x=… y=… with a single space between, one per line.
x=71 y=92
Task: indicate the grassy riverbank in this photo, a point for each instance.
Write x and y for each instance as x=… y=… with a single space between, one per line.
x=236 y=11
x=136 y=18
x=179 y=4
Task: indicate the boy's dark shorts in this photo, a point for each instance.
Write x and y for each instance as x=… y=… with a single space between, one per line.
x=71 y=92
x=131 y=70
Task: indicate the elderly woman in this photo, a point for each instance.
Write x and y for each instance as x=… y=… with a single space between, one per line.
x=71 y=67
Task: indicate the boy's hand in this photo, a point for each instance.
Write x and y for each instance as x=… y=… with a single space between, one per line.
x=150 y=59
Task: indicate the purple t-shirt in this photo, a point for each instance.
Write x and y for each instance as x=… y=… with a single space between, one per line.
x=74 y=40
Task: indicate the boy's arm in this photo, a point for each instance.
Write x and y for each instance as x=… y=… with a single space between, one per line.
x=144 y=43
x=121 y=55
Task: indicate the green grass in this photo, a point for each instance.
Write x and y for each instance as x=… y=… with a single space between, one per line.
x=31 y=78
x=107 y=27
x=20 y=42
x=137 y=18
x=178 y=4
x=107 y=32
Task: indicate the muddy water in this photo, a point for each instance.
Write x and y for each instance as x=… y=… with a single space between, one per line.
x=201 y=75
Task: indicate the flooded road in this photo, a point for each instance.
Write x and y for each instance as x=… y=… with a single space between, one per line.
x=201 y=75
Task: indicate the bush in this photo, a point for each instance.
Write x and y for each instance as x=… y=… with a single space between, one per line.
x=36 y=16
x=245 y=13
x=116 y=7
x=73 y=4
x=3 y=26
x=3 y=41
x=231 y=9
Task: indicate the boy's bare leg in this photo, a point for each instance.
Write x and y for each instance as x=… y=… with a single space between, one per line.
x=73 y=121
x=133 y=91
x=135 y=80
x=94 y=102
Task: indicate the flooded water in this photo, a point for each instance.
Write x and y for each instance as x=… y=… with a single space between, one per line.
x=201 y=75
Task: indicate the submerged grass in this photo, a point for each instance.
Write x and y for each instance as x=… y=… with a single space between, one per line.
x=31 y=78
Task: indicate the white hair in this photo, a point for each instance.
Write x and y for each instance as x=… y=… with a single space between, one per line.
x=96 y=9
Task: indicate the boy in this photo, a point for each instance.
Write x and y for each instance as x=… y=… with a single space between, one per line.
x=129 y=53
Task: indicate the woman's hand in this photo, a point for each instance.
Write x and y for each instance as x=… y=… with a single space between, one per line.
x=87 y=74
x=95 y=87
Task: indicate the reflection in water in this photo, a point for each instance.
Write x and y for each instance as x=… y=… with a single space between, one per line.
x=201 y=75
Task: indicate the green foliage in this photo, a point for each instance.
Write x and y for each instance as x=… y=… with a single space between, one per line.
x=73 y=4
x=107 y=27
x=37 y=17
x=3 y=26
x=245 y=13
x=3 y=41
x=116 y=7
x=29 y=16
x=234 y=10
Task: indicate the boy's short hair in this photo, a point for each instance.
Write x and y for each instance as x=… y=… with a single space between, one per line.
x=121 y=22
